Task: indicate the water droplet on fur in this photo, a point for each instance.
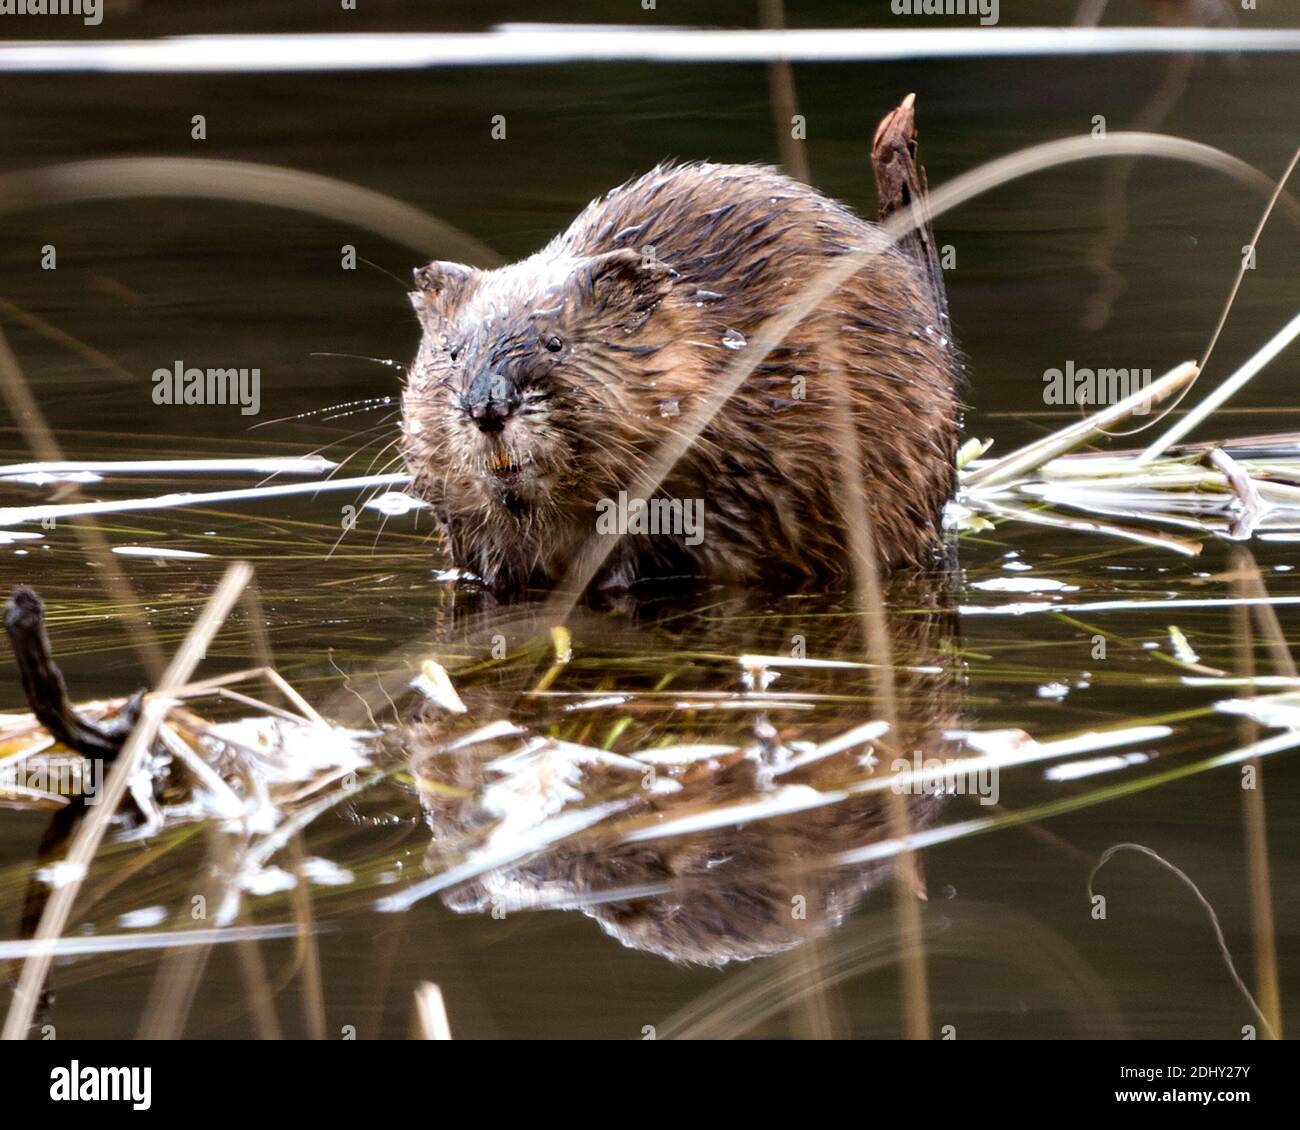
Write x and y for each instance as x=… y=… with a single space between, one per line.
x=670 y=408
x=732 y=339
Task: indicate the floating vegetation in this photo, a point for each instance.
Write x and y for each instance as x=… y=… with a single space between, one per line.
x=654 y=832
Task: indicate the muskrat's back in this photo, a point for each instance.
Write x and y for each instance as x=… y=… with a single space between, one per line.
x=650 y=294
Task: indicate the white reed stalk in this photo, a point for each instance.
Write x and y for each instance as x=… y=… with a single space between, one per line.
x=542 y=44
x=14 y=515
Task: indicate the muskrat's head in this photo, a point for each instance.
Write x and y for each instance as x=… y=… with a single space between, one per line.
x=523 y=405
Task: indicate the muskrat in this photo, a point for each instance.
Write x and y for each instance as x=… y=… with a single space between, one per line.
x=542 y=387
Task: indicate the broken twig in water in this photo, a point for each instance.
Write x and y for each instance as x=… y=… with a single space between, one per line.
x=87 y=840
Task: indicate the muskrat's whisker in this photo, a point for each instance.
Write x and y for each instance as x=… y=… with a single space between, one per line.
x=335 y=467
x=382 y=427
x=383 y=520
x=359 y=503
x=370 y=402
x=345 y=415
x=380 y=454
x=405 y=284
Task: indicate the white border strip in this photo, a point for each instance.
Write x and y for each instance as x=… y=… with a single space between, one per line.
x=533 y=44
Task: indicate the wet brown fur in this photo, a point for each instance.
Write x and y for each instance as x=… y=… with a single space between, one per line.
x=642 y=338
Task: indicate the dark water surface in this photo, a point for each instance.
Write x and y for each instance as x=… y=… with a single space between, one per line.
x=1012 y=947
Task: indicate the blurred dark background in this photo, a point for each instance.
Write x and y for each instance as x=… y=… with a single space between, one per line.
x=148 y=282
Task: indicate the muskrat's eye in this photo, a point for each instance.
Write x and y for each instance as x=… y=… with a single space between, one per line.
x=554 y=344
x=454 y=352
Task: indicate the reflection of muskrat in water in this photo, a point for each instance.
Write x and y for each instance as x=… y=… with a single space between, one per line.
x=541 y=388
x=747 y=839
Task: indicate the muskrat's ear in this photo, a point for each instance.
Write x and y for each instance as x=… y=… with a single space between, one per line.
x=629 y=273
x=441 y=277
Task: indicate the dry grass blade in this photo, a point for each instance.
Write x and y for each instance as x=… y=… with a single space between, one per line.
x=1241 y=271
x=1222 y=942
x=1247 y=580
x=875 y=627
x=784 y=101
x=313 y=997
x=1232 y=385
x=246 y=183
x=18 y=397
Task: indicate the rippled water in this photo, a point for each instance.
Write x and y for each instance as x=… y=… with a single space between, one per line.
x=1012 y=946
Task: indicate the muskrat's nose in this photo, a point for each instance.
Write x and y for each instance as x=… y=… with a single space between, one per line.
x=491 y=415
x=490 y=401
